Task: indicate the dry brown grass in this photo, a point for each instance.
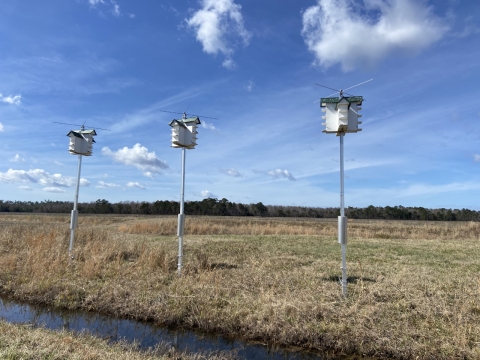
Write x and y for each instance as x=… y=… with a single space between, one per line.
x=85 y=219
x=24 y=342
x=364 y=229
x=413 y=291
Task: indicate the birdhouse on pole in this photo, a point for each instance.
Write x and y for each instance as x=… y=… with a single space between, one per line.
x=341 y=114
x=184 y=132
x=81 y=142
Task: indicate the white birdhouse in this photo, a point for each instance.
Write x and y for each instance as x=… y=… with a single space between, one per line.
x=184 y=132
x=81 y=142
x=341 y=114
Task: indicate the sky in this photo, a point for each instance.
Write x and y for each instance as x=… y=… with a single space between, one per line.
x=252 y=66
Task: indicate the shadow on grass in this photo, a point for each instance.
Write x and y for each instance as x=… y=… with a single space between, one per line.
x=350 y=279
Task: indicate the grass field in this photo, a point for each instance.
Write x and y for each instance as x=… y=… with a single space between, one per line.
x=414 y=287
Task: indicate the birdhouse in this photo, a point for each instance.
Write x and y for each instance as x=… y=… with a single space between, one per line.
x=341 y=114
x=81 y=142
x=184 y=132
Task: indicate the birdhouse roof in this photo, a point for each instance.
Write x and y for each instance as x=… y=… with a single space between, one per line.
x=184 y=122
x=78 y=133
x=336 y=100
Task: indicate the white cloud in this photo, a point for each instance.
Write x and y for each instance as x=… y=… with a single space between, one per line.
x=208 y=194
x=131 y=16
x=26 y=188
x=231 y=172
x=359 y=35
x=59 y=163
x=136 y=185
x=250 y=85
x=41 y=177
x=104 y=185
x=229 y=64
x=216 y=21
x=277 y=174
x=1 y=127
x=17 y=158
x=84 y=182
x=12 y=100
x=54 y=189
x=139 y=157
x=208 y=126
x=476 y=157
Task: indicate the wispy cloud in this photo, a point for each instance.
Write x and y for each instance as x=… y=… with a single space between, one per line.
x=12 y=99
x=216 y=21
x=136 y=185
x=250 y=86
x=1 y=127
x=277 y=174
x=17 y=158
x=335 y=30
x=380 y=195
x=57 y=74
x=476 y=157
x=208 y=126
x=231 y=172
x=137 y=156
x=54 y=190
x=26 y=188
x=207 y=194
x=41 y=177
x=150 y=113
x=114 y=7
x=104 y=185
x=470 y=28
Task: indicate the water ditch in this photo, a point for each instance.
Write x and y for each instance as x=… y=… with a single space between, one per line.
x=145 y=334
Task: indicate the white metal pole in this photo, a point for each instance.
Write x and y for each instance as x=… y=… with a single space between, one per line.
x=181 y=217
x=342 y=202
x=74 y=216
x=342 y=222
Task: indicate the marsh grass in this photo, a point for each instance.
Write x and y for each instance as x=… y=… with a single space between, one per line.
x=23 y=342
x=412 y=294
x=363 y=229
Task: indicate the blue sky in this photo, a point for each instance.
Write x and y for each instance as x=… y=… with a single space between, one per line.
x=115 y=64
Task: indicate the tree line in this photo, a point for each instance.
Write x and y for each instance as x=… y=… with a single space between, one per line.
x=223 y=207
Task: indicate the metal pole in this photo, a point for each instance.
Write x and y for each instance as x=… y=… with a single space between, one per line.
x=342 y=222
x=342 y=202
x=74 y=216
x=181 y=217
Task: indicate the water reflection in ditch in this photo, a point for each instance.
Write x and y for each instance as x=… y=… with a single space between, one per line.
x=146 y=335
